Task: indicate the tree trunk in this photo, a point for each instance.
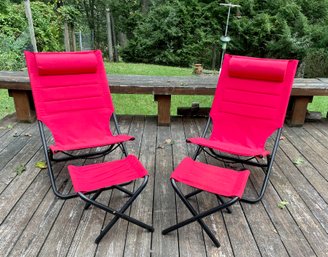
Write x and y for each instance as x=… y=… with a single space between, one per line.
x=114 y=39
x=88 y=6
x=122 y=39
x=73 y=37
x=109 y=36
x=214 y=56
x=144 y=6
x=30 y=24
x=66 y=37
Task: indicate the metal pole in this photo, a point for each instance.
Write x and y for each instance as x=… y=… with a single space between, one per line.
x=225 y=39
x=30 y=24
x=227 y=23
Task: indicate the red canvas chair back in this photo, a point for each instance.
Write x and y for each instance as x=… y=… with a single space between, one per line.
x=251 y=99
x=71 y=95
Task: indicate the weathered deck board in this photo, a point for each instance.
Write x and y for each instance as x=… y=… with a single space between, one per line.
x=164 y=212
x=142 y=208
x=34 y=223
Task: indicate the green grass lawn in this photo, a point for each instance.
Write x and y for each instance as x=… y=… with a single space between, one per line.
x=6 y=103
x=146 y=69
x=319 y=104
x=144 y=104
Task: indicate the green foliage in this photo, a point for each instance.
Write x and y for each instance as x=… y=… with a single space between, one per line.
x=47 y=27
x=316 y=63
x=3 y=6
x=11 y=57
x=174 y=33
x=316 y=11
x=181 y=32
x=14 y=35
x=69 y=14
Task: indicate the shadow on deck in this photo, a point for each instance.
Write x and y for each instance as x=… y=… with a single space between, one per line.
x=33 y=222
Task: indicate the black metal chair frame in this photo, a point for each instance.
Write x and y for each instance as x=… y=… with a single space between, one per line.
x=199 y=216
x=117 y=213
x=92 y=200
x=266 y=167
x=223 y=204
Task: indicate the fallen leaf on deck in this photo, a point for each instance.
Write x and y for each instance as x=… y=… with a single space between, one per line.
x=282 y=204
x=282 y=138
x=27 y=135
x=41 y=165
x=16 y=134
x=9 y=126
x=298 y=161
x=169 y=141
x=20 y=169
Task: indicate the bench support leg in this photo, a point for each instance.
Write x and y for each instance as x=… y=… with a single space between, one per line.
x=164 y=107
x=24 y=105
x=298 y=109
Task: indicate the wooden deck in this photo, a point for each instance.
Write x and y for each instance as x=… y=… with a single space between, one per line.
x=34 y=223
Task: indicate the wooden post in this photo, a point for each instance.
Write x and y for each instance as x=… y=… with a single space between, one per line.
x=23 y=105
x=30 y=24
x=163 y=109
x=198 y=70
x=109 y=36
x=298 y=110
x=66 y=37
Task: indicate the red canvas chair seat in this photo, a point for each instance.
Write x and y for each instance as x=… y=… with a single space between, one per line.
x=217 y=180
x=228 y=147
x=96 y=142
x=101 y=175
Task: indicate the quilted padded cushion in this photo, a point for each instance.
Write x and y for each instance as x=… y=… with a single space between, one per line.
x=70 y=63
x=252 y=68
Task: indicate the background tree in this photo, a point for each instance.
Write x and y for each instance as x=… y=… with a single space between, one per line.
x=14 y=37
x=182 y=32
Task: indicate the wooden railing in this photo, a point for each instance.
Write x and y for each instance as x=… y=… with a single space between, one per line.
x=162 y=88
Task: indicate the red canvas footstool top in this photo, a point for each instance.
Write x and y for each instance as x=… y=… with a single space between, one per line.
x=217 y=180
x=96 y=176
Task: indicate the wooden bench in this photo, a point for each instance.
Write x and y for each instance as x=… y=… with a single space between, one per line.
x=162 y=88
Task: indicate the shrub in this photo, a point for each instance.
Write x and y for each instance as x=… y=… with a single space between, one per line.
x=316 y=63
x=14 y=36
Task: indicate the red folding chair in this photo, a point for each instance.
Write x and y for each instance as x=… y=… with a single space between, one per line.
x=249 y=105
x=72 y=98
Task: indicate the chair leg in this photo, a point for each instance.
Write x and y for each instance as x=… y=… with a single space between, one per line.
x=120 y=213
x=93 y=198
x=122 y=189
x=264 y=185
x=194 y=212
x=198 y=218
x=220 y=199
x=197 y=191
